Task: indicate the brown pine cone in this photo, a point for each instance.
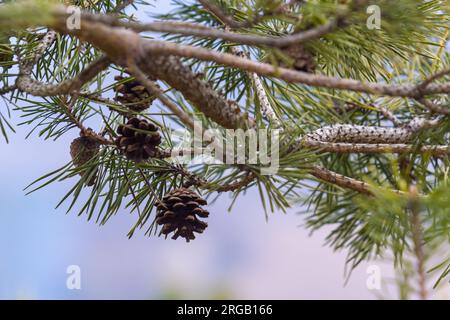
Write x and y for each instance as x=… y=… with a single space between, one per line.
x=82 y=150
x=138 y=139
x=132 y=94
x=177 y=212
x=302 y=60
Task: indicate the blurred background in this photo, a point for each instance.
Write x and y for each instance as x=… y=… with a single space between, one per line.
x=241 y=256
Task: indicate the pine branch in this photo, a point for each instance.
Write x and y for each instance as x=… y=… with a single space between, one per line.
x=218 y=12
x=192 y=29
x=423 y=86
x=338 y=147
x=26 y=66
x=434 y=107
x=36 y=88
x=340 y=180
x=266 y=108
x=370 y=134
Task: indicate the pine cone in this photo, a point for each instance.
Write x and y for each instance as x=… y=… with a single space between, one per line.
x=178 y=212
x=138 y=139
x=133 y=94
x=82 y=150
x=302 y=60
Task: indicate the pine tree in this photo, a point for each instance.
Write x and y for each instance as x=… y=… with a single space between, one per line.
x=360 y=105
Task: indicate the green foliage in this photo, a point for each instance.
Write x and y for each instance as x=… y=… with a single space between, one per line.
x=17 y=15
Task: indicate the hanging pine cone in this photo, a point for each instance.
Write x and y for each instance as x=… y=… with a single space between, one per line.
x=177 y=212
x=133 y=94
x=82 y=150
x=302 y=60
x=138 y=139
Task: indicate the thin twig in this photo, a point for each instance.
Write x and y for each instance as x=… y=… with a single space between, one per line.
x=67 y=109
x=243 y=182
x=434 y=107
x=112 y=40
x=219 y=13
x=388 y=114
x=93 y=96
x=336 y=147
x=183 y=116
x=192 y=29
x=26 y=66
x=266 y=108
x=422 y=86
x=122 y=5
x=340 y=180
